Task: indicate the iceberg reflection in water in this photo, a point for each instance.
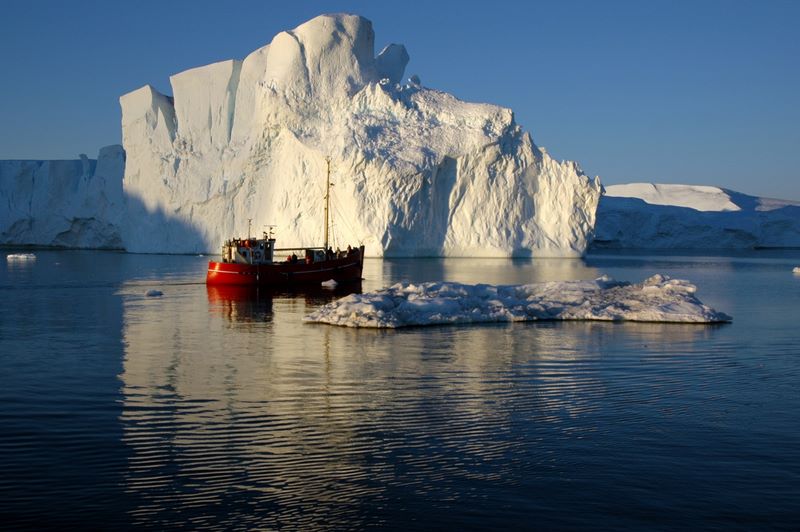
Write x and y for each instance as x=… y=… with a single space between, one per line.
x=209 y=409
x=236 y=413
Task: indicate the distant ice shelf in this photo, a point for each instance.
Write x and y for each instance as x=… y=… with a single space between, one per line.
x=64 y=203
x=657 y=299
x=668 y=216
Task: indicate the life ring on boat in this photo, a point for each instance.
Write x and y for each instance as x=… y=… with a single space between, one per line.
x=247 y=243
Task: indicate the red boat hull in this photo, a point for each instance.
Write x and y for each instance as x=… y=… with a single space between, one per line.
x=286 y=273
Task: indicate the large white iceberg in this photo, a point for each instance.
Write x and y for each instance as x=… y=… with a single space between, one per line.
x=657 y=299
x=663 y=216
x=416 y=171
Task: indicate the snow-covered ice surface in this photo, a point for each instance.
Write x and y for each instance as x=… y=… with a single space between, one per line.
x=71 y=203
x=657 y=299
x=697 y=197
x=645 y=215
x=416 y=170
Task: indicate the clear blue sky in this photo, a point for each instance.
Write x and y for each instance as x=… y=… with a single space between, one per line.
x=700 y=92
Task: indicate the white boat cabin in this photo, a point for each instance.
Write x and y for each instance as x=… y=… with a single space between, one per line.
x=249 y=250
x=262 y=251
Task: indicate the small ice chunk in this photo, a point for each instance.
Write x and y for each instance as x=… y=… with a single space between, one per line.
x=657 y=299
x=20 y=256
x=153 y=293
x=796 y=270
x=330 y=284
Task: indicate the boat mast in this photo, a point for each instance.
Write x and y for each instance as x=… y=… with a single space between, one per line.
x=327 y=199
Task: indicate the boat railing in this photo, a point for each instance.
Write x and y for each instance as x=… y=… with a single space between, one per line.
x=303 y=248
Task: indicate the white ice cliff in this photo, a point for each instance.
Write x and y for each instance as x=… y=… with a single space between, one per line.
x=645 y=215
x=415 y=171
x=70 y=203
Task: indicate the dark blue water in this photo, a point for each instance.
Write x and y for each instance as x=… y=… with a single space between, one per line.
x=206 y=409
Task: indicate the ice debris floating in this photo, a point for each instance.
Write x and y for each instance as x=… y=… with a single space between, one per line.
x=330 y=284
x=13 y=257
x=657 y=299
x=796 y=270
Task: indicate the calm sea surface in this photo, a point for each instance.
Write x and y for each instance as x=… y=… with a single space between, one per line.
x=211 y=409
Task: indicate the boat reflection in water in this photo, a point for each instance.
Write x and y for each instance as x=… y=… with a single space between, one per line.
x=256 y=304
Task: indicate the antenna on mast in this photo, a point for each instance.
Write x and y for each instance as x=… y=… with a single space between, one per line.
x=327 y=198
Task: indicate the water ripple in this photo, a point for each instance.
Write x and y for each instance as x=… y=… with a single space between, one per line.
x=230 y=414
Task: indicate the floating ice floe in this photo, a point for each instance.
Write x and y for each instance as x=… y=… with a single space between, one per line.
x=796 y=270
x=153 y=293
x=330 y=284
x=20 y=256
x=657 y=299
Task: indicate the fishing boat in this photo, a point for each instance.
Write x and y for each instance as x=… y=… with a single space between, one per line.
x=257 y=262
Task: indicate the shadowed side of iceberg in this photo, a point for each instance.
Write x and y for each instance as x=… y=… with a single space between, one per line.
x=82 y=204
